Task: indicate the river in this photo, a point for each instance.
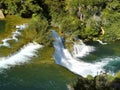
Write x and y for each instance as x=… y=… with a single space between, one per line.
x=35 y=68
x=30 y=67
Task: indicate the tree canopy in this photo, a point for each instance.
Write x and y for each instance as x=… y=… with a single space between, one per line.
x=86 y=19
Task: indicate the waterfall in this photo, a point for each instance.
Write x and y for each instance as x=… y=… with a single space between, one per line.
x=64 y=58
x=22 y=56
x=14 y=35
x=81 y=50
x=23 y=26
x=5 y=43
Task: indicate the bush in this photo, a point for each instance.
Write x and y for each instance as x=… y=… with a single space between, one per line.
x=38 y=30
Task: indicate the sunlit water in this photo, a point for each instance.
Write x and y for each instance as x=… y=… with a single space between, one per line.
x=24 y=69
x=74 y=62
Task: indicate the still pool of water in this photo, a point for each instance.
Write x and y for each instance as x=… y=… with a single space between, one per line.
x=2 y=25
x=38 y=74
x=35 y=77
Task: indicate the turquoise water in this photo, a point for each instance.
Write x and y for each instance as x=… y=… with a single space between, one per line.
x=34 y=77
x=111 y=52
x=38 y=74
x=41 y=73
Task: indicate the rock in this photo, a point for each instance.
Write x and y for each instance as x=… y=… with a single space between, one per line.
x=1 y=15
x=102 y=31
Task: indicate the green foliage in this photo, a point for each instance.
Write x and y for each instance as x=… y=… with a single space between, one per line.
x=99 y=82
x=111 y=20
x=38 y=30
x=111 y=12
x=80 y=19
x=69 y=25
x=90 y=77
x=23 y=8
x=74 y=27
x=28 y=7
x=8 y=25
x=56 y=10
x=83 y=18
x=11 y=7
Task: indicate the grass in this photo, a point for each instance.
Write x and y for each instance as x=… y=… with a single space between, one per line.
x=15 y=46
x=45 y=56
x=9 y=25
x=45 y=60
x=10 y=22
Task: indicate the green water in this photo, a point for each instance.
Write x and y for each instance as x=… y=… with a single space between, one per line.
x=111 y=51
x=36 y=75
x=41 y=73
x=2 y=26
x=101 y=51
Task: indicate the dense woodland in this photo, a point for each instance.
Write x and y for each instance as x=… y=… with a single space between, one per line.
x=84 y=19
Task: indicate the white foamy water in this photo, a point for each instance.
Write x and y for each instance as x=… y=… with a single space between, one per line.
x=5 y=43
x=63 y=57
x=22 y=56
x=14 y=35
x=101 y=42
x=23 y=26
x=81 y=50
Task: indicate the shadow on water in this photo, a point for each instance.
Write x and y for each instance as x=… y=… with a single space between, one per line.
x=2 y=26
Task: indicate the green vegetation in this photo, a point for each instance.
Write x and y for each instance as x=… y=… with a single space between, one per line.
x=38 y=30
x=23 y=8
x=99 y=82
x=85 y=19
x=7 y=27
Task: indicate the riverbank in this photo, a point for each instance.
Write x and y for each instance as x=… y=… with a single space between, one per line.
x=8 y=30
x=9 y=24
x=40 y=72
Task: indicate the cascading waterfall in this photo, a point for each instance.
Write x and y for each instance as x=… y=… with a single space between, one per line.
x=22 y=56
x=63 y=57
x=14 y=35
x=81 y=50
x=5 y=43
